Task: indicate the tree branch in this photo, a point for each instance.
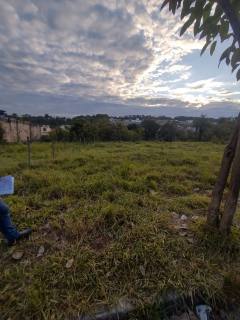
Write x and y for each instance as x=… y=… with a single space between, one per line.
x=232 y=16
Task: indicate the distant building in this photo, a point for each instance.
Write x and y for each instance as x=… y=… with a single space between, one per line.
x=45 y=130
x=162 y=122
x=132 y=121
x=65 y=127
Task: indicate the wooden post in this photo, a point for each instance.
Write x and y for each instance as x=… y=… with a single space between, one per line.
x=17 y=129
x=53 y=150
x=217 y=194
x=29 y=152
x=232 y=196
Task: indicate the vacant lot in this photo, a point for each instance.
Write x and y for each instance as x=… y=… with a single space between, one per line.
x=112 y=220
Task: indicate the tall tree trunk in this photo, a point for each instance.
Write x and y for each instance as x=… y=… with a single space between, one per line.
x=232 y=197
x=217 y=194
x=230 y=206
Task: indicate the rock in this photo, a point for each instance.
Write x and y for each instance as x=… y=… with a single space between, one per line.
x=17 y=255
x=195 y=218
x=209 y=193
x=183 y=217
x=69 y=263
x=183 y=226
x=190 y=240
x=196 y=189
x=46 y=227
x=142 y=270
x=152 y=192
x=175 y=215
x=41 y=251
x=122 y=308
x=183 y=234
x=124 y=305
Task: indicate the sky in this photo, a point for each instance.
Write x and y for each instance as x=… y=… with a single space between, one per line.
x=121 y=57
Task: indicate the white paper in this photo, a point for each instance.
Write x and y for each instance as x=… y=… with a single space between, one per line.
x=6 y=185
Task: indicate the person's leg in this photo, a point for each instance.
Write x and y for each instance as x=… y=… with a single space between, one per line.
x=6 y=226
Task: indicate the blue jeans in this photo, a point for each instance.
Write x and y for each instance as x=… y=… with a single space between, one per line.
x=6 y=226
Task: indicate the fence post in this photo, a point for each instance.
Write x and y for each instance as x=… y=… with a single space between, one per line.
x=29 y=152
x=53 y=150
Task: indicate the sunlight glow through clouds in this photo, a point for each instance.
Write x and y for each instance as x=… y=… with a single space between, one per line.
x=101 y=51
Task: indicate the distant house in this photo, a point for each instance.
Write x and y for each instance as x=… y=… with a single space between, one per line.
x=45 y=130
x=132 y=121
x=113 y=120
x=162 y=122
x=65 y=127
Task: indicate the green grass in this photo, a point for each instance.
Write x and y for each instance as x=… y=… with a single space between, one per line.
x=109 y=206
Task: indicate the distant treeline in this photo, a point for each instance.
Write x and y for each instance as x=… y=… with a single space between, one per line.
x=87 y=129
x=100 y=128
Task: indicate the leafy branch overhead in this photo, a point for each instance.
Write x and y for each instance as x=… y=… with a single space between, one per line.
x=215 y=21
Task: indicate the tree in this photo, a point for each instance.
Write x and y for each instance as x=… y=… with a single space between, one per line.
x=2 y=113
x=167 y=132
x=201 y=126
x=221 y=132
x=150 y=129
x=214 y=21
x=59 y=135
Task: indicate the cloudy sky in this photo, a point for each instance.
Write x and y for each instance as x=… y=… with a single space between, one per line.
x=70 y=57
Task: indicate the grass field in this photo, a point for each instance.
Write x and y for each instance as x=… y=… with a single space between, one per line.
x=107 y=221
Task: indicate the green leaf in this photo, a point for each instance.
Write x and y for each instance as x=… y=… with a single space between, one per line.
x=227 y=37
x=164 y=4
x=196 y=28
x=235 y=57
x=223 y=30
x=228 y=60
x=174 y=5
x=186 y=25
x=235 y=67
x=204 y=48
x=203 y=34
x=206 y=11
x=238 y=75
x=213 y=47
x=209 y=28
x=186 y=9
x=198 y=9
x=225 y=56
x=213 y=30
x=218 y=11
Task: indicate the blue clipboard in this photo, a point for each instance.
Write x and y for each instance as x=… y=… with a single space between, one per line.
x=6 y=185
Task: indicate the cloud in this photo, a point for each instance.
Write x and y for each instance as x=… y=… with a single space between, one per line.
x=104 y=51
x=46 y=103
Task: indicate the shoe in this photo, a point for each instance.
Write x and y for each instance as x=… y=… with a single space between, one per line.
x=22 y=235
